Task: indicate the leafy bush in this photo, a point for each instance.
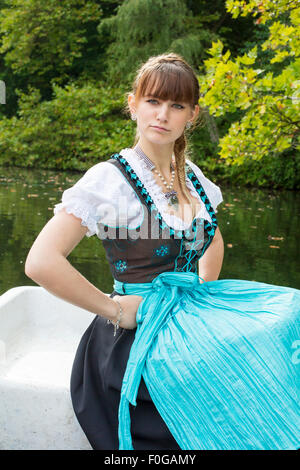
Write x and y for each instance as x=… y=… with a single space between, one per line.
x=268 y=97
x=75 y=130
x=280 y=171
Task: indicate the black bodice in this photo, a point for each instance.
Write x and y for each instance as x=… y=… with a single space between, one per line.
x=139 y=255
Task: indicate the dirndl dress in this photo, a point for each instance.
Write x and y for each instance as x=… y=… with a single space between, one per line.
x=211 y=366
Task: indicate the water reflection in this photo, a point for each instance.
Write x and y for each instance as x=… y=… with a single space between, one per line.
x=260 y=230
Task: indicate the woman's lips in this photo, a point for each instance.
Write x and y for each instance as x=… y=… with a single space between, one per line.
x=160 y=128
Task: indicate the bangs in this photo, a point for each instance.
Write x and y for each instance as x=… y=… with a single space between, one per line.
x=167 y=82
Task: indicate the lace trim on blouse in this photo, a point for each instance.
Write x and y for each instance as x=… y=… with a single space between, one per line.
x=77 y=207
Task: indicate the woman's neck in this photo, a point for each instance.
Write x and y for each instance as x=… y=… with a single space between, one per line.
x=160 y=155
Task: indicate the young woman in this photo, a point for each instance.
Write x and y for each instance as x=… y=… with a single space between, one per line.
x=174 y=358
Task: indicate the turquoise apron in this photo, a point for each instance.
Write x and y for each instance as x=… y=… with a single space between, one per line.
x=219 y=359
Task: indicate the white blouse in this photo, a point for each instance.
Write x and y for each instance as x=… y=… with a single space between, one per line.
x=104 y=195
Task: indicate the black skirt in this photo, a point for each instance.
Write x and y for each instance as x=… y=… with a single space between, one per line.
x=96 y=382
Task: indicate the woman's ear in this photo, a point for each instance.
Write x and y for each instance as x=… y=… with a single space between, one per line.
x=195 y=112
x=131 y=103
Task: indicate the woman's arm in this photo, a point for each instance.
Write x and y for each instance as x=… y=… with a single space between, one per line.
x=210 y=264
x=47 y=265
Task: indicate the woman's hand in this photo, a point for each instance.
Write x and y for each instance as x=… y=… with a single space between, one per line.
x=130 y=305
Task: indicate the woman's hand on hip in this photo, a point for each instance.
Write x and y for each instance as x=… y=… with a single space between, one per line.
x=130 y=305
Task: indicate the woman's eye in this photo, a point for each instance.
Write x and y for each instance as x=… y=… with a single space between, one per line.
x=154 y=101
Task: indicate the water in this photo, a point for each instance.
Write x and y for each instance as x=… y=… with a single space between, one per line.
x=260 y=229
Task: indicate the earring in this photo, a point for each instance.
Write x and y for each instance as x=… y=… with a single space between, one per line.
x=188 y=125
x=133 y=117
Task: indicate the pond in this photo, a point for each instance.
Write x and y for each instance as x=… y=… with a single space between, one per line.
x=260 y=228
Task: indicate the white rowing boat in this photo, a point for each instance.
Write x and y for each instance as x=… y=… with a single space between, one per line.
x=39 y=334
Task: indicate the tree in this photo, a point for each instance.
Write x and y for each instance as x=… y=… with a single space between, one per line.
x=267 y=98
x=142 y=28
x=42 y=40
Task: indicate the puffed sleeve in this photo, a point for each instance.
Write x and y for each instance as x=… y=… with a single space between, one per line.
x=102 y=195
x=213 y=191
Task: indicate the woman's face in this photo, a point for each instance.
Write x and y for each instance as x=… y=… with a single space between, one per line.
x=161 y=121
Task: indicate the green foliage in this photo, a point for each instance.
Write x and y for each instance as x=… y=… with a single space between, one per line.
x=142 y=28
x=268 y=100
x=76 y=129
x=43 y=39
x=70 y=78
x=282 y=171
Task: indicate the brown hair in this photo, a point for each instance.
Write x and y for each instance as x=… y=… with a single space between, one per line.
x=169 y=77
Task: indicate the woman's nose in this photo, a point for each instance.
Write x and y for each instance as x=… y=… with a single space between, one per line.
x=163 y=112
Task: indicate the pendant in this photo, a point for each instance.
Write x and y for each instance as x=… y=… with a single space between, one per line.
x=172 y=198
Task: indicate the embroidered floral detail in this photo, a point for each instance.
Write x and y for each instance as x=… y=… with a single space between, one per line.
x=163 y=250
x=120 y=265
